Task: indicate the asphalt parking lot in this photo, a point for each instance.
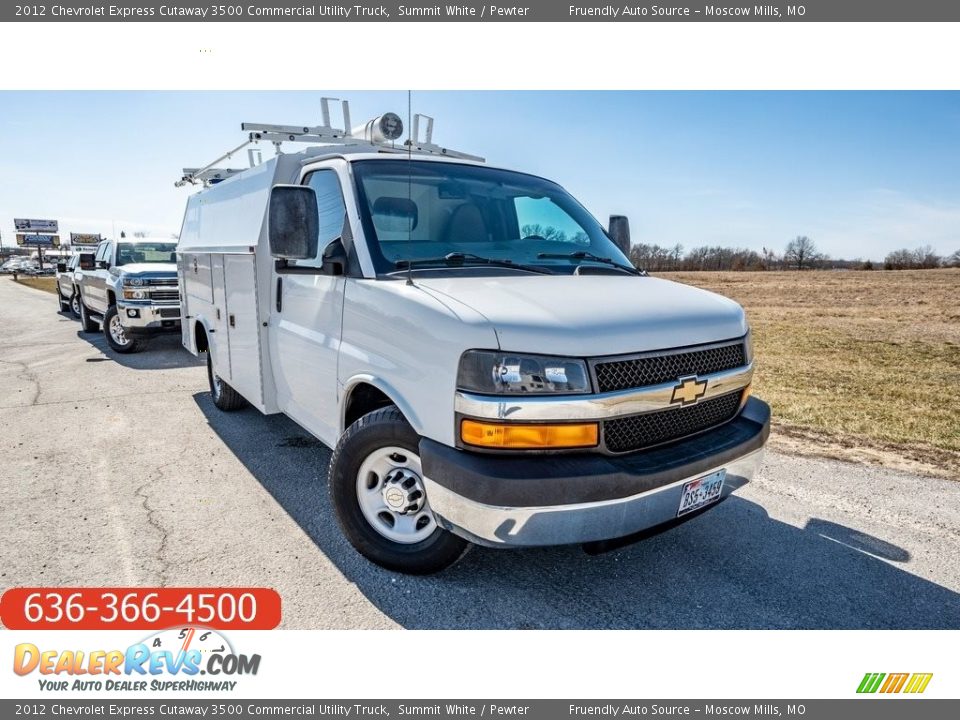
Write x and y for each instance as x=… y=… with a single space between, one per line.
x=118 y=470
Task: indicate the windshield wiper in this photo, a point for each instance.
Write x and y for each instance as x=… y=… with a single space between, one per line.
x=459 y=258
x=584 y=255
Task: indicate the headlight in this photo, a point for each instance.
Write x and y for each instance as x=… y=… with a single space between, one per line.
x=134 y=294
x=132 y=281
x=496 y=373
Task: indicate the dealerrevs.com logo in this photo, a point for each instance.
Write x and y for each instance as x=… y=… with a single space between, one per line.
x=182 y=659
x=912 y=683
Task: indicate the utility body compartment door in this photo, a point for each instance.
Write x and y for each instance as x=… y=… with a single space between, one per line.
x=242 y=326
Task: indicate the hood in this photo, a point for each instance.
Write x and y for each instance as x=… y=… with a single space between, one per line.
x=590 y=315
x=153 y=268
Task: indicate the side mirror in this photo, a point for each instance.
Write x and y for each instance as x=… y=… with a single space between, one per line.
x=619 y=232
x=103 y=265
x=334 y=258
x=86 y=261
x=293 y=222
x=61 y=267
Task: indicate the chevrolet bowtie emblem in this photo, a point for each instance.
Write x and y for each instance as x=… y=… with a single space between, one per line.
x=689 y=391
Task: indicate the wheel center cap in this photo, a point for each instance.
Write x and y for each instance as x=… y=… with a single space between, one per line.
x=395 y=498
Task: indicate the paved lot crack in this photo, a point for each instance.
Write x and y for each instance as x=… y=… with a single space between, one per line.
x=154 y=522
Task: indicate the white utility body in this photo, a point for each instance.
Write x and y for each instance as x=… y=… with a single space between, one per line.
x=483 y=358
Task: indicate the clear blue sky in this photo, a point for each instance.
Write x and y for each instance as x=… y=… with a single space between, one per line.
x=862 y=173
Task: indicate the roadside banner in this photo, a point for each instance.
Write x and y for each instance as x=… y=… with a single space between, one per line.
x=34 y=225
x=85 y=238
x=44 y=240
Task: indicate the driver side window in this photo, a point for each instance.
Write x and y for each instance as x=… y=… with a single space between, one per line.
x=331 y=209
x=103 y=252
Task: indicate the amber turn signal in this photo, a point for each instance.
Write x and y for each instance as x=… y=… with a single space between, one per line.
x=528 y=437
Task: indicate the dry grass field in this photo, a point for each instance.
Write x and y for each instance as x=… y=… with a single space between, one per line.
x=858 y=365
x=49 y=284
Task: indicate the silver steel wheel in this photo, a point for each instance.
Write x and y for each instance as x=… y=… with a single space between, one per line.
x=116 y=330
x=216 y=385
x=75 y=304
x=392 y=498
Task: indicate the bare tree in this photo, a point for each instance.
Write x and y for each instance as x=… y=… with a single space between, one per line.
x=802 y=252
x=953 y=260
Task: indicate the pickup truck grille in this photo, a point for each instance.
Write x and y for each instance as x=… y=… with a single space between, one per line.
x=165 y=295
x=654 y=428
x=655 y=369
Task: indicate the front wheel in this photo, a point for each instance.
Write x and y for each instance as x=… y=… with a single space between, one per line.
x=117 y=337
x=378 y=495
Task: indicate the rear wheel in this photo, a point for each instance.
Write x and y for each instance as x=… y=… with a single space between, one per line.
x=377 y=491
x=117 y=337
x=224 y=396
x=88 y=324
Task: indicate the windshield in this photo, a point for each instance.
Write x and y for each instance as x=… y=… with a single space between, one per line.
x=418 y=210
x=146 y=252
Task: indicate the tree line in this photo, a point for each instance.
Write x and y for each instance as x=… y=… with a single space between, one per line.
x=801 y=253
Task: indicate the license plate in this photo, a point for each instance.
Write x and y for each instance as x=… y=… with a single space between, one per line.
x=701 y=491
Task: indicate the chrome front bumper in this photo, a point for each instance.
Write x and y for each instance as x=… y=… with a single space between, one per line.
x=579 y=523
x=148 y=318
x=565 y=498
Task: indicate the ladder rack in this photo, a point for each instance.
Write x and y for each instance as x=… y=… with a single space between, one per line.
x=324 y=134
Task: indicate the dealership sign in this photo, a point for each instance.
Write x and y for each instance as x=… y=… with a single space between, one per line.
x=32 y=225
x=47 y=240
x=85 y=238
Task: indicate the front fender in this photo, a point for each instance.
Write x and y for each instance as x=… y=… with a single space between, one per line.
x=387 y=389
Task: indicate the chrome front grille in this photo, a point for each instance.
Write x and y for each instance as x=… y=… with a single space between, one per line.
x=171 y=296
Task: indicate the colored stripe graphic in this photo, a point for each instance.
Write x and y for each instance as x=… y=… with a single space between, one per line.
x=870 y=682
x=894 y=683
x=918 y=682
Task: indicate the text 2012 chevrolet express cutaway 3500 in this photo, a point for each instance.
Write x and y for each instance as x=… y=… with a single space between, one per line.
x=480 y=353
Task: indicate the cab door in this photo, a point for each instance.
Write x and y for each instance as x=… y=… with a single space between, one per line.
x=305 y=322
x=95 y=281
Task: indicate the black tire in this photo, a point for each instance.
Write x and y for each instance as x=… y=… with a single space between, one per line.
x=224 y=396
x=63 y=304
x=376 y=430
x=131 y=344
x=88 y=324
x=74 y=304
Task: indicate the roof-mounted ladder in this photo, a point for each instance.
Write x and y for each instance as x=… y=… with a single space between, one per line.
x=324 y=134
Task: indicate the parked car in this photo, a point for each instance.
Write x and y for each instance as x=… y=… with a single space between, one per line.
x=67 y=294
x=477 y=349
x=131 y=292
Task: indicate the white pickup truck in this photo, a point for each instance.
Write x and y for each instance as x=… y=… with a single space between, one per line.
x=130 y=292
x=485 y=361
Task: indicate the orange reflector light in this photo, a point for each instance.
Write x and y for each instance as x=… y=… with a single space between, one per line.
x=746 y=394
x=520 y=437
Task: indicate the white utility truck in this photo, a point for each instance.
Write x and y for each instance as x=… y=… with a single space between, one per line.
x=483 y=358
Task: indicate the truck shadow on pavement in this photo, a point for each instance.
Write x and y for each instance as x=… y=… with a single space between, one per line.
x=734 y=567
x=164 y=352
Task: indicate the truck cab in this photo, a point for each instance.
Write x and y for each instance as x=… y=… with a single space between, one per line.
x=130 y=292
x=66 y=274
x=486 y=363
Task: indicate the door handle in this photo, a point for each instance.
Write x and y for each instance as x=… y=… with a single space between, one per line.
x=279 y=294
x=233 y=320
